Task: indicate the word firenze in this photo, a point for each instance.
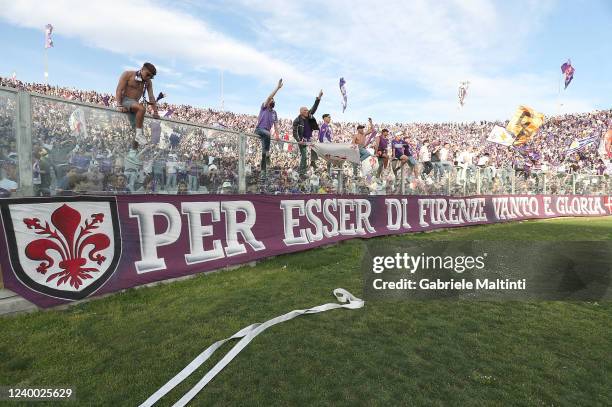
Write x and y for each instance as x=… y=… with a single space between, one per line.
x=158 y=237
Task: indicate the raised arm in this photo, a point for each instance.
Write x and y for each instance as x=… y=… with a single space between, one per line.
x=314 y=107
x=280 y=85
x=371 y=128
x=371 y=133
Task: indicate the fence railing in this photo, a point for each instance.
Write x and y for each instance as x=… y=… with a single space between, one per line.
x=88 y=150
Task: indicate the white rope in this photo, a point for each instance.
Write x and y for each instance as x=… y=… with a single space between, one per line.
x=345 y=300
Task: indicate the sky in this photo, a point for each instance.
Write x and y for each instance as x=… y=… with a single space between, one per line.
x=402 y=60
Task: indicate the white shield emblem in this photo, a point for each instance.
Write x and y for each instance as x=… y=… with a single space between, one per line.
x=65 y=248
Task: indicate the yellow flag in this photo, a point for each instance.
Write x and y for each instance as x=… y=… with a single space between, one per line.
x=524 y=124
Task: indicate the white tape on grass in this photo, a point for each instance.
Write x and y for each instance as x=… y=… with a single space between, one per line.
x=345 y=300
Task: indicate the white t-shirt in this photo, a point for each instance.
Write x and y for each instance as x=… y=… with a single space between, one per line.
x=443 y=154
x=424 y=154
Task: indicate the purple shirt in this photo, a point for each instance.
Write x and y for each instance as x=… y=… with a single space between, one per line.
x=307 y=134
x=398 y=148
x=267 y=118
x=407 y=149
x=80 y=161
x=325 y=132
x=382 y=143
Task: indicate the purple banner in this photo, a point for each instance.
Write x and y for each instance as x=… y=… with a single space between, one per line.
x=62 y=249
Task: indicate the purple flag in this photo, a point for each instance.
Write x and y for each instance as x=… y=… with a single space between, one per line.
x=48 y=39
x=343 y=91
x=568 y=70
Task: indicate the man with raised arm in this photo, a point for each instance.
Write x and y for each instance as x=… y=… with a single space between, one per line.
x=131 y=87
x=303 y=126
x=267 y=118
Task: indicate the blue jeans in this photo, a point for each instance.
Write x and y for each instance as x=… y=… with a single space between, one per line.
x=265 y=146
x=363 y=153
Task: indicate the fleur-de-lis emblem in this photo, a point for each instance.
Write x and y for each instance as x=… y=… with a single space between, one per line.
x=70 y=241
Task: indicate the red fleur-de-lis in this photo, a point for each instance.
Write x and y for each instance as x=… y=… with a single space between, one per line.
x=71 y=249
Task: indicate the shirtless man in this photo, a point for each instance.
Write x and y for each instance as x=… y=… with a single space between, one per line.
x=360 y=140
x=129 y=91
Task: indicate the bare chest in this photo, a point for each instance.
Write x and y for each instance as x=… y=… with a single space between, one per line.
x=135 y=85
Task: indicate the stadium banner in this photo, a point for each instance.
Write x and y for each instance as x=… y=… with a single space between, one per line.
x=62 y=249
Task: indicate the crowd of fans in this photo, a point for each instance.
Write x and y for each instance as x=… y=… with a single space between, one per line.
x=94 y=152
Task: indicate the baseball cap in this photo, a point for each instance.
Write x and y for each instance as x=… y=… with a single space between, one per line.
x=227 y=184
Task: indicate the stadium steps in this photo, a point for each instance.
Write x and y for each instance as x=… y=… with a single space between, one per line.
x=12 y=304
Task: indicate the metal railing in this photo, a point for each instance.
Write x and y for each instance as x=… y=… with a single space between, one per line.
x=88 y=151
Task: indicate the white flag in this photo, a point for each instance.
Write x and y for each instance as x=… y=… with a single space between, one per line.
x=501 y=136
x=338 y=151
